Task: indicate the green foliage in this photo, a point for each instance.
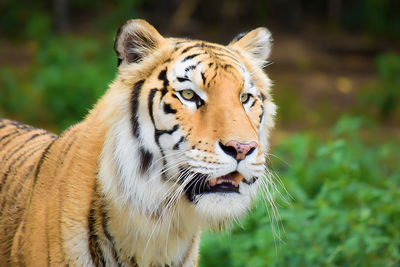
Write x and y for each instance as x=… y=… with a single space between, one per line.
x=24 y=18
x=11 y=97
x=66 y=78
x=385 y=93
x=71 y=75
x=343 y=211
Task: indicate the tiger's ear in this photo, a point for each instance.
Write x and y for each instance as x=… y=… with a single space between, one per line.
x=257 y=43
x=136 y=39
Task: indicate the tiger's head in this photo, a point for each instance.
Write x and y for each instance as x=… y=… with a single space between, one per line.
x=194 y=122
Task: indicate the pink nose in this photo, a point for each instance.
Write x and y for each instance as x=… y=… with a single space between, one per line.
x=238 y=150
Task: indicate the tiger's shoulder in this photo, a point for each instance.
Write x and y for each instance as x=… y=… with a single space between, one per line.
x=22 y=148
x=19 y=143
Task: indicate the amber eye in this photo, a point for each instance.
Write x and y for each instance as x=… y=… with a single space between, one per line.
x=187 y=94
x=244 y=98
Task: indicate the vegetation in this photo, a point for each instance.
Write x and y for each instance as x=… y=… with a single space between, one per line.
x=384 y=94
x=66 y=78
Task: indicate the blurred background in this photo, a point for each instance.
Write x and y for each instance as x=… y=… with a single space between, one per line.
x=336 y=148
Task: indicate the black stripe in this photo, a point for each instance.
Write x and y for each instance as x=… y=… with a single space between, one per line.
x=13 y=196
x=22 y=182
x=174 y=95
x=224 y=50
x=157 y=135
x=146 y=159
x=182 y=42
x=150 y=105
x=65 y=152
x=2 y=126
x=135 y=106
x=11 y=165
x=25 y=143
x=254 y=102
x=168 y=109
x=5 y=176
x=164 y=91
x=107 y=234
x=163 y=77
x=192 y=67
x=190 y=57
x=262 y=114
x=189 y=48
x=182 y=79
x=94 y=247
x=22 y=126
x=222 y=55
x=213 y=47
x=161 y=132
x=215 y=74
x=41 y=160
x=7 y=135
x=203 y=77
x=19 y=133
x=227 y=66
x=176 y=146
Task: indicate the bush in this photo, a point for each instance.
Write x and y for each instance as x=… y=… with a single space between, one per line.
x=72 y=73
x=66 y=77
x=385 y=93
x=343 y=210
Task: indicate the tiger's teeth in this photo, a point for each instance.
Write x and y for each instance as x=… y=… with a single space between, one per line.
x=237 y=178
x=234 y=180
x=213 y=181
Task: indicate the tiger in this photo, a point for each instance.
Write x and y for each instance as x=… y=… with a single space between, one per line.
x=176 y=145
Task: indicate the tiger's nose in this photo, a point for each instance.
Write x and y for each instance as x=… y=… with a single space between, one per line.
x=238 y=150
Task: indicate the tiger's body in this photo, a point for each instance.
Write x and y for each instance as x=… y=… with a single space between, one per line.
x=177 y=144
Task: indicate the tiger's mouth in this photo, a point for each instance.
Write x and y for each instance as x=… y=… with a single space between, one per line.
x=225 y=184
x=200 y=184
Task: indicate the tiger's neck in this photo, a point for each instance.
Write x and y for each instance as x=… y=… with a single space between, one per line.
x=118 y=235
x=132 y=219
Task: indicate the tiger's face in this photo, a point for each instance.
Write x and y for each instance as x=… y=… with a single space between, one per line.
x=202 y=116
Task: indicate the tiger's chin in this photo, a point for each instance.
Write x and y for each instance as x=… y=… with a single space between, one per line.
x=224 y=199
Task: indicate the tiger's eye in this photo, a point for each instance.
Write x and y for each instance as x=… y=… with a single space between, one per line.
x=244 y=98
x=187 y=94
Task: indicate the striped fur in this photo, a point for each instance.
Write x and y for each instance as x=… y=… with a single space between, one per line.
x=130 y=185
